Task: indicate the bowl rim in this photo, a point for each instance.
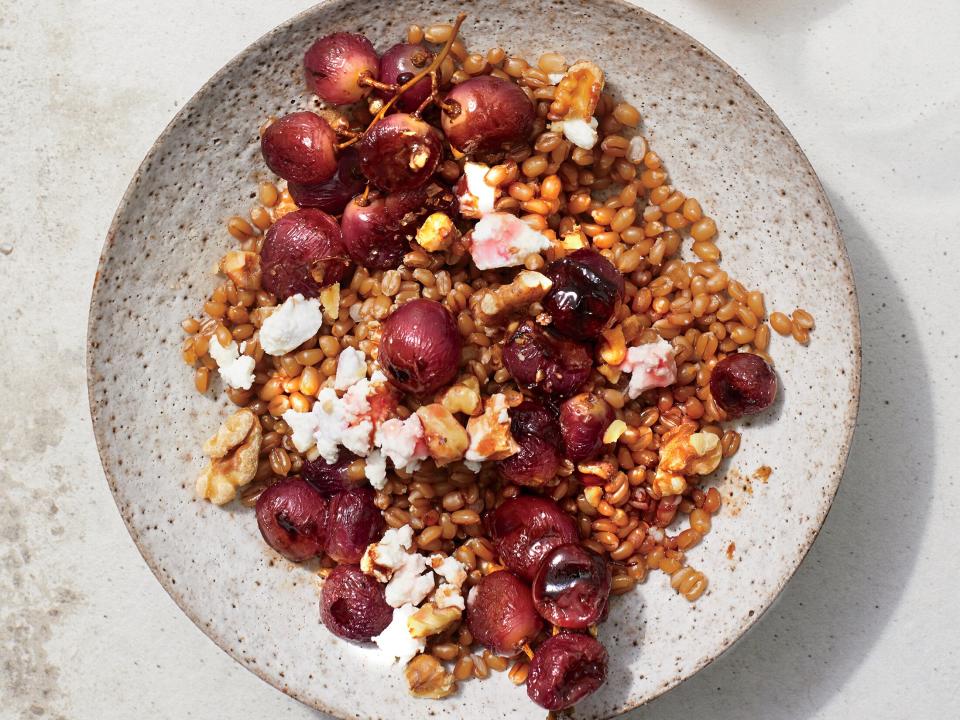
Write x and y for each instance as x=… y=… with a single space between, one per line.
x=737 y=633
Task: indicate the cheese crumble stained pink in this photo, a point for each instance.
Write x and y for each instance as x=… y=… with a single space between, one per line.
x=504 y=240
x=650 y=366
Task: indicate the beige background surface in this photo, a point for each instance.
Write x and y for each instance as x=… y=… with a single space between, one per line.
x=866 y=628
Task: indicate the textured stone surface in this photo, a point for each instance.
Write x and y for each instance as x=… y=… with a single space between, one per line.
x=86 y=632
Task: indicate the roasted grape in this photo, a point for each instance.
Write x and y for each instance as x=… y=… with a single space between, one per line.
x=487 y=114
x=572 y=586
x=332 y=195
x=354 y=522
x=335 y=64
x=500 y=613
x=300 y=147
x=532 y=418
x=585 y=292
x=537 y=433
x=400 y=152
x=398 y=65
x=565 y=669
x=303 y=252
x=329 y=478
x=292 y=517
x=743 y=384
x=525 y=528
x=420 y=346
x=546 y=363
x=352 y=605
x=583 y=420
x=375 y=231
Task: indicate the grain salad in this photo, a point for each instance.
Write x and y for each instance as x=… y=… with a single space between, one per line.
x=484 y=358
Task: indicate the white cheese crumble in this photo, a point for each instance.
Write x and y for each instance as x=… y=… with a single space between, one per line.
x=382 y=558
x=450 y=569
x=478 y=198
x=504 y=240
x=650 y=366
x=235 y=369
x=411 y=582
x=448 y=595
x=351 y=368
x=582 y=133
x=375 y=469
x=293 y=323
x=396 y=641
x=402 y=441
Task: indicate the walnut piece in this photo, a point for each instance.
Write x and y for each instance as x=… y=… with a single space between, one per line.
x=233 y=454
x=461 y=398
x=684 y=452
x=437 y=233
x=243 y=268
x=490 y=437
x=578 y=93
x=431 y=620
x=446 y=438
x=427 y=678
x=330 y=300
x=492 y=305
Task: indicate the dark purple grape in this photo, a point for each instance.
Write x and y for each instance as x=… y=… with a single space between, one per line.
x=352 y=605
x=334 y=65
x=743 y=384
x=584 y=419
x=302 y=253
x=375 y=233
x=332 y=195
x=300 y=147
x=329 y=478
x=500 y=613
x=586 y=290
x=420 y=346
x=493 y=113
x=532 y=418
x=354 y=522
x=546 y=363
x=572 y=587
x=535 y=464
x=400 y=152
x=292 y=517
x=398 y=65
x=525 y=528
x=565 y=669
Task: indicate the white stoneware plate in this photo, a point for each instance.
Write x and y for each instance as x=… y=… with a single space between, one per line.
x=720 y=142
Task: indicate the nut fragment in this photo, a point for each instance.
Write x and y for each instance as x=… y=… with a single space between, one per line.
x=243 y=268
x=437 y=233
x=574 y=240
x=431 y=620
x=233 y=454
x=685 y=452
x=284 y=206
x=578 y=93
x=330 y=300
x=493 y=304
x=426 y=678
x=613 y=349
x=461 y=398
x=445 y=437
x=490 y=437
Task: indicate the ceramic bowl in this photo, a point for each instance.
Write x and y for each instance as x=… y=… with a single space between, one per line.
x=720 y=142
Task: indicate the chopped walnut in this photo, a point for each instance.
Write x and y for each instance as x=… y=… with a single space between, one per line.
x=577 y=93
x=285 y=205
x=446 y=438
x=461 y=398
x=685 y=452
x=492 y=305
x=427 y=678
x=243 y=268
x=437 y=233
x=490 y=437
x=330 y=300
x=233 y=454
x=600 y=471
x=431 y=620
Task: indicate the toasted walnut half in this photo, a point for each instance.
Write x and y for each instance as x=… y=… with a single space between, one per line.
x=577 y=93
x=233 y=454
x=685 y=452
x=431 y=620
x=427 y=678
x=460 y=398
x=445 y=437
x=492 y=305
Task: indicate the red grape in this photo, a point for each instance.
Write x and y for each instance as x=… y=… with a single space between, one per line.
x=493 y=113
x=500 y=613
x=546 y=363
x=586 y=290
x=398 y=65
x=329 y=478
x=303 y=252
x=420 y=346
x=583 y=420
x=525 y=528
x=354 y=522
x=334 y=65
x=300 y=147
x=743 y=384
x=400 y=152
x=352 y=605
x=292 y=517
x=565 y=669
x=572 y=587
x=375 y=233
x=532 y=418
x=537 y=433
x=332 y=195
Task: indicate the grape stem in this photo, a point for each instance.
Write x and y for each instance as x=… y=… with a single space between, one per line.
x=431 y=68
x=367 y=81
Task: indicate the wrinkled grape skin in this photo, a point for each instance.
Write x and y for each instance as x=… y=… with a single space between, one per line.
x=501 y=615
x=545 y=363
x=743 y=384
x=525 y=528
x=535 y=464
x=300 y=147
x=420 y=347
x=375 y=234
x=354 y=521
x=565 y=669
x=400 y=152
x=292 y=517
x=583 y=420
x=352 y=605
x=329 y=478
x=334 y=64
x=332 y=195
x=397 y=66
x=303 y=252
x=494 y=113
x=585 y=293
x=532 y=418
x=572 y=586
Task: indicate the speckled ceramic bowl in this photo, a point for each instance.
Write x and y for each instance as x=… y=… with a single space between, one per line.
x=721 y=143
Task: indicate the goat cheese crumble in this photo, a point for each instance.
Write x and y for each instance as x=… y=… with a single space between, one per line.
x=504 y=240
x=476 y=196
x=402 y=441
x=351 y=368
x=650 y=366
x=396 y=641
x=235 y=369
x=294 y=322
x=582 y=133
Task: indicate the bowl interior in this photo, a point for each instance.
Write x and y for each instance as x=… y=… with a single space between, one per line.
x=721 y=144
